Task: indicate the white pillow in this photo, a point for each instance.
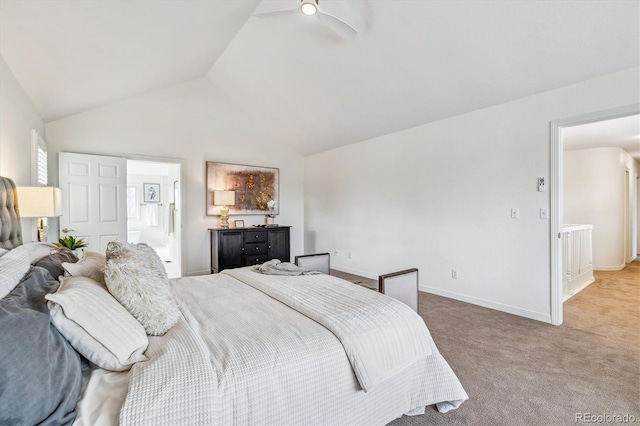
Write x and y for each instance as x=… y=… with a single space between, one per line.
x=96 y=325
x=37 y=250
x=136 y=277
x=91 y=266
x=13 y=266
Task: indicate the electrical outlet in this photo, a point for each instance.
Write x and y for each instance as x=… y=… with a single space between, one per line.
x=454 y=274
x=544 y=213
x=336 y=252
x=349 y=255
x=515 y=213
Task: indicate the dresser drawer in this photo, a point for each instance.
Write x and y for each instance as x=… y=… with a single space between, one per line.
x=256 y=248
x=256 y=259
x=255 y=237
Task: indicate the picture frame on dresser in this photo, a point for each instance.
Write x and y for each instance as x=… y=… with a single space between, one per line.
x=238 y=224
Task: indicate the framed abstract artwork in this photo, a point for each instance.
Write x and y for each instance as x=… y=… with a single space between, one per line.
x=256 y=188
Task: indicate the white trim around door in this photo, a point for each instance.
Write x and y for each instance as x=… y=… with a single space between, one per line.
x=555 y=136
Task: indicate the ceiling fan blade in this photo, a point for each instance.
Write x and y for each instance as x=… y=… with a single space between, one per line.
x=277 y=13
x=343 y=29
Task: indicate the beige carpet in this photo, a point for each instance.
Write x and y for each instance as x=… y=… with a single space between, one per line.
x=523 y=372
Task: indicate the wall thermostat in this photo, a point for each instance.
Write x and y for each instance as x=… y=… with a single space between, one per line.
x=542 y=184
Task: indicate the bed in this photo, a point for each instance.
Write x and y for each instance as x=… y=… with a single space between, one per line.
x=245 y=348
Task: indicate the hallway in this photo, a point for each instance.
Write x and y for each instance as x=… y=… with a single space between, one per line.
x=609 y=307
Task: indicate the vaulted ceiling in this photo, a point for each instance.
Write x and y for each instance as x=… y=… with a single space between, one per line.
x=412 y=62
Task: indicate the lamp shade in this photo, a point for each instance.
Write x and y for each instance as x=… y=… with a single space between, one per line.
x=224 y=198
x=39 y=201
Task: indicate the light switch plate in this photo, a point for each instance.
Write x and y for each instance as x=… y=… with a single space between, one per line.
x=544 y=213
x=515 y=213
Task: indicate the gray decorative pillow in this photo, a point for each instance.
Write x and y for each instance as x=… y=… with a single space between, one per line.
x=53 y=262
x=136 y=277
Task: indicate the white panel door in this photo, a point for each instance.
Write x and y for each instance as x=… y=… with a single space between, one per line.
x=94 y=198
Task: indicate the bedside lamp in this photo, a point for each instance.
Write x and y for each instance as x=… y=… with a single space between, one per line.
x=224 y=199
x=40 y=202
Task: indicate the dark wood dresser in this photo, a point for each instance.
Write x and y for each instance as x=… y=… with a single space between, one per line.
x=234 y=248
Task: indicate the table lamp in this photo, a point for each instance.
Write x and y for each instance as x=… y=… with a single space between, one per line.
x=40 y=202
x=224 y=199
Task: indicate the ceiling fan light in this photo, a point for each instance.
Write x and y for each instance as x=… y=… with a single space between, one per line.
x=309 y=7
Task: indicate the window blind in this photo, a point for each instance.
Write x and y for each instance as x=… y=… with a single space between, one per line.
x=40 y=166
x=41 y=163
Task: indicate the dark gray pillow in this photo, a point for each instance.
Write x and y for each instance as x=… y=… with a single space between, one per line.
x=53 y=262
x=40 y=372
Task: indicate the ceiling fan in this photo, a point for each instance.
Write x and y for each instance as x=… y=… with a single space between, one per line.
x=312 y=8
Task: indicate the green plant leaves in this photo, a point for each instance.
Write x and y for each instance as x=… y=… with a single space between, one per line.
x=71 y=242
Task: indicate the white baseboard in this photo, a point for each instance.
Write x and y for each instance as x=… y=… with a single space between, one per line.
x=579 y=289
x=193 y=274
x=489 y=304
x=609 y=268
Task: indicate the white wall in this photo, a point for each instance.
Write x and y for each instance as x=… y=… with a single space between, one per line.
x=18 y=117
x=594 y=193
x=438 y=197
x=196 y=122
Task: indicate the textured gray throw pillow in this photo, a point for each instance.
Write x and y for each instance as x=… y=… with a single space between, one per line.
x=135 y=276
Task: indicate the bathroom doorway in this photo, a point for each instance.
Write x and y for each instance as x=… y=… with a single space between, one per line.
x=154 y=209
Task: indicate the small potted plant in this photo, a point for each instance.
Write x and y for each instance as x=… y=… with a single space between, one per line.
x=268 y=218
x=72 y=243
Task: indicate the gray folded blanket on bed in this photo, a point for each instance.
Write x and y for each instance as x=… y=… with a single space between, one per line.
x=275 y=267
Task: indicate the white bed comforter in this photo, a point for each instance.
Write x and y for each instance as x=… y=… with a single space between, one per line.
x=239 y=356
x=380 y=335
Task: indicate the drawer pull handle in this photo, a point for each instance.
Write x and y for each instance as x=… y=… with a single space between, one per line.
x=257 y=248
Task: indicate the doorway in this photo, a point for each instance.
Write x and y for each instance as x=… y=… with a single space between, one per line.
x=154 y=209
x=556 y=195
